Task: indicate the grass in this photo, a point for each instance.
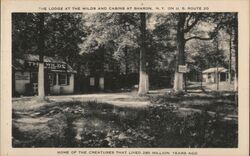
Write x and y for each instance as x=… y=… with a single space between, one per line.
x=94 y=124
x=219 y=102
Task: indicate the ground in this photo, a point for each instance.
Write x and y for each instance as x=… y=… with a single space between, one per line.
x=160 y=119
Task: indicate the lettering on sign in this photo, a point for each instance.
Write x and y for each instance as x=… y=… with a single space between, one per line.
x=57 y=66
x=182 y=68
x=32 y=64
x=48 y=65
x=22 y=77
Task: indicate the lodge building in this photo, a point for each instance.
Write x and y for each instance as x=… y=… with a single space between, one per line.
x=58 y=76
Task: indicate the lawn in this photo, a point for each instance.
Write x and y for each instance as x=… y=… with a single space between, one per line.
x=78 y=123
x=218 y=102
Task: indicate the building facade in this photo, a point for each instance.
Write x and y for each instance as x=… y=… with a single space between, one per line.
x=58 y=76
x=211 y=75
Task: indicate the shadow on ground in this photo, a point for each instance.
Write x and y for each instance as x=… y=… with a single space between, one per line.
x=102 y=124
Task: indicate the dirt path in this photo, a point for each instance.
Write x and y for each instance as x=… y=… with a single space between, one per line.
x=130 y=99
x=117 y=99
x=124 y=100
x=66 y=118
x=96 y=120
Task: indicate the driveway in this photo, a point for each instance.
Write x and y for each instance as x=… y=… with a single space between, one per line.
x=129 y=99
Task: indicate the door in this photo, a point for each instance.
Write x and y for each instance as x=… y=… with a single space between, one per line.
x=222 y=76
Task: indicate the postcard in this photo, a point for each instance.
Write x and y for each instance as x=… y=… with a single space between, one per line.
x=125 y=77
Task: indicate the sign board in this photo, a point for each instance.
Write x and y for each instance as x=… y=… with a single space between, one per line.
x=101 y=83
x=92 y=81
x=58 y=66
x=48 y=65
x=22 y=76
x=182 y=68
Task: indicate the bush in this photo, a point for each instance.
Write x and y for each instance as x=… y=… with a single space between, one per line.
x=196 y=130
x=156 y=126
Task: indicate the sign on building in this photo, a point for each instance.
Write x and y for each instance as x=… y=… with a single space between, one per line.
x=47 y=65
x=22 y=77
x=57 y=66
x=101 y=83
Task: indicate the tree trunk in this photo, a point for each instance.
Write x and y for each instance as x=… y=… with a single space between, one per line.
x=217 y=64
x=144 y=81
x=178 y=78
x=41 y=92
x=185 y=81
x=236 y=53
x=178 y=81
x=41 y=89
x=201 y=80
x=217 y=79
x=230 y=60
x=126 y=60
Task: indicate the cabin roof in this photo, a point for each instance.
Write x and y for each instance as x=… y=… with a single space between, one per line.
x=19 y=63
x=213 y=70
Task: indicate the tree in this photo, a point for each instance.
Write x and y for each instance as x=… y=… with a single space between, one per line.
x=65 y=32
x=144 y=81
x=229 y=23
x=235 y=44
x=41 y=90
x=128 y=32
x=205 y=55
x=185 y=23
x=117 y=29
x=47 y=34
x=162 y=45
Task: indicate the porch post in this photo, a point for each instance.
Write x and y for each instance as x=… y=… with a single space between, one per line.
x=57 y=79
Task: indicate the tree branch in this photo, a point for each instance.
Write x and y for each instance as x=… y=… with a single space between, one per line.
x=188 y=19
x=189 y=27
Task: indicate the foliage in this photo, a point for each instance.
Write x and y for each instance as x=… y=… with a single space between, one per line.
x=63 y=33
x=205 y=55
x=115 y=35
x=98 y=42
x=103 y=125
x=197 y=130
x=162 y=45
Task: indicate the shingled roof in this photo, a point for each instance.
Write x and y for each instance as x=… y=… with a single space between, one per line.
x=19 y=63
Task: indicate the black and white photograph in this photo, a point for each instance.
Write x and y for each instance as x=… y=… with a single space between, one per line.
x=124 y=80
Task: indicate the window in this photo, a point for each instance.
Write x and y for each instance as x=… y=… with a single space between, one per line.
x=52 y=79
x=34 y=78
x=62 y=79
x=209 y=76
